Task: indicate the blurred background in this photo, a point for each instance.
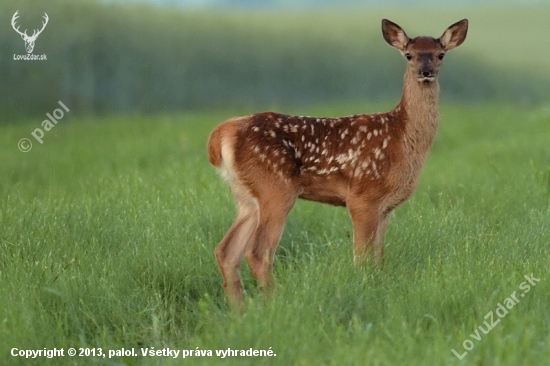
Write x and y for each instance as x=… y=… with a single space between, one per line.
x=141 y=57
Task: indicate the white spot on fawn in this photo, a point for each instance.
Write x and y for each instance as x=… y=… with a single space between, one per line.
x=340 y=158
x=358 y=173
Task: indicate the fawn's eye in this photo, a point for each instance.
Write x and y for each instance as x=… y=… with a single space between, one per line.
x=441 y=55
x=408 y=56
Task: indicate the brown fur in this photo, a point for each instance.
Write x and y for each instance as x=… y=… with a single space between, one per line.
x=214 y=147
x=368 y=163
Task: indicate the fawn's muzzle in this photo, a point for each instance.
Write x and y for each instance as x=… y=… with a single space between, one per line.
x=426 y=74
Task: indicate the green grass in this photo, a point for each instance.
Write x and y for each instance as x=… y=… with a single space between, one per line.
x=107 y=231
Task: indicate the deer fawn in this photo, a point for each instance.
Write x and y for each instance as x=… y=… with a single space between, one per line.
x=368 y=163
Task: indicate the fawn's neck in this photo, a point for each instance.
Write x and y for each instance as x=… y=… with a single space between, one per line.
x=420 y=103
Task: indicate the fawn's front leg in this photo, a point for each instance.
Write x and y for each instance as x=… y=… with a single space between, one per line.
x=369 y=225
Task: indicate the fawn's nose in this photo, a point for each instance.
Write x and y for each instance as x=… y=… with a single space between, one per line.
x=426 y=71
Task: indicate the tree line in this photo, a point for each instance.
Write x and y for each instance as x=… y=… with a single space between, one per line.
x=109 y=58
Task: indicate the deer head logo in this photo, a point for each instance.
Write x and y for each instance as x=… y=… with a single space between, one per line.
x=29 y=40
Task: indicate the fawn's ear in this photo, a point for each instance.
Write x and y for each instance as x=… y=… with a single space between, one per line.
x=394 y=35
x=454 y=35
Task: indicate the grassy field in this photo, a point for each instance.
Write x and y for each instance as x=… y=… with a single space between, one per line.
x=107 y=231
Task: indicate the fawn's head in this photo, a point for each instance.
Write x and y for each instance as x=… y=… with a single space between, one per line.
x=424 y=54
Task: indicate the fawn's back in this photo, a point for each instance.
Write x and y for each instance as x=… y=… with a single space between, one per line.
x=324 y=159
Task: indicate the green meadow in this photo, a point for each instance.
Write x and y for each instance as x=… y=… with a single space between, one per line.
x=108 y=229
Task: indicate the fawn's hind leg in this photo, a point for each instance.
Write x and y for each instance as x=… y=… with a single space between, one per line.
x=260 y=252
x=229 y=253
